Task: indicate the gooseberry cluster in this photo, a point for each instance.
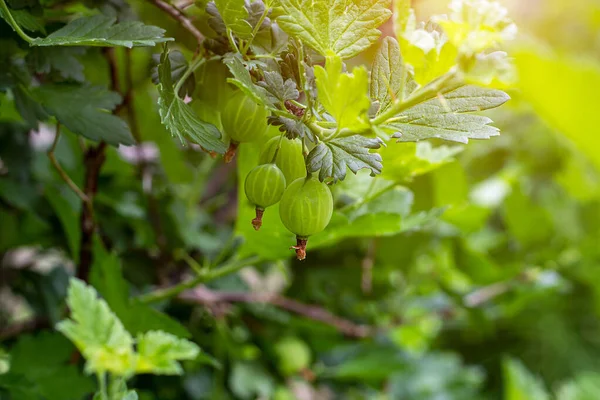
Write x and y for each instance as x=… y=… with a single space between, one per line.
x=305 y=203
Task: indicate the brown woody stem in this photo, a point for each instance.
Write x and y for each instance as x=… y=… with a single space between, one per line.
x=300 y=247
x=257 y=222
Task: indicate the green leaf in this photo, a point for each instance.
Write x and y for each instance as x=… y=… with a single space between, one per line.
x=331 y=158
x=101 y=30
x=31 y=111
x=344 y=27
x=179 y=65
x=401 y=16
x=243 y=80
x=84 y=110
x=565 y=104
x=520 y=384
x=159 y=353
x=60 y=59
x=106 y=276
x=405 y=161
x=179 y=118
x=279 y=89
x=234 y=15
x=69 y=219
x=344 y=95
x=25 y=20
x=449 y=116
x=585 y=386
x=390 y=80
x=40 y=367
x=97 y=332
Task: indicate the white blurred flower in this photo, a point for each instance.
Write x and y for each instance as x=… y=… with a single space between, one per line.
x=477 y=25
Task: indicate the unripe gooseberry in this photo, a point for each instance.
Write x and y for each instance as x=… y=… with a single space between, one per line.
x=243 y=120
x=264 y=187
x=289 y=157
x=305 y=209
x=293 y=355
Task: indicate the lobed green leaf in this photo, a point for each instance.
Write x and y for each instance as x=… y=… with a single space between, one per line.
x=449 y=116
x=158 y=353
x=342 y=27
x=179 y=118
x=332 y=157
x=101 y=30
x=84 y=110
x=97 y=332
x=344 y=95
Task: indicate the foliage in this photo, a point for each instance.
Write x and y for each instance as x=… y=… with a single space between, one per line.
x=130 y=267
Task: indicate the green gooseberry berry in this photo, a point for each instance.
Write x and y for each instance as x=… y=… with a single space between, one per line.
x=293 y=355
x=243 y=120
x=305 y=209
x=264 y=187
x=289 y=157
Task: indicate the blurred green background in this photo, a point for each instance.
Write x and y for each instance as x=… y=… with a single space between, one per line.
x=483 y=282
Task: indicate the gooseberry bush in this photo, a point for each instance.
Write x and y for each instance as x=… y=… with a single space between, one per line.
x=283 y=88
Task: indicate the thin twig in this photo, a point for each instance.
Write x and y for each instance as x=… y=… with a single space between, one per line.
x=61 y=171
x=181 y=18
x=205 y=296
x=207 y=275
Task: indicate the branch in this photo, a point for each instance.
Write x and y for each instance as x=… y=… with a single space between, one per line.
x=93 y=159
x=61 y=171
x=205 y=296
x=206 y=276
x=181 y=18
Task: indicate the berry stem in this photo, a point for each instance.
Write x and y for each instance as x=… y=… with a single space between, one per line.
x=300 y=247
x=277 y=148
x=231 y=150
x=257 y=222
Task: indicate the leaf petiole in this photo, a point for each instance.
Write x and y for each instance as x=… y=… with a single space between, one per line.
x=11 y=21
x=420 y=95
x=193 y=66
x=255 y=30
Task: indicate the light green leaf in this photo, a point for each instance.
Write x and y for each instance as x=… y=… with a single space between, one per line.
x=520 y=384
x=97 y=332
x=565 y=104
x=390 y=80
x=101 y=30
x=401 y=15
x=344 y=95
x=382 y=213
x=342 y=27
x=234 y=15
x=585 y=386
x=84 y=111
x=405 y=161
x=159 y=353
x=179 y=118
x=449 y=116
